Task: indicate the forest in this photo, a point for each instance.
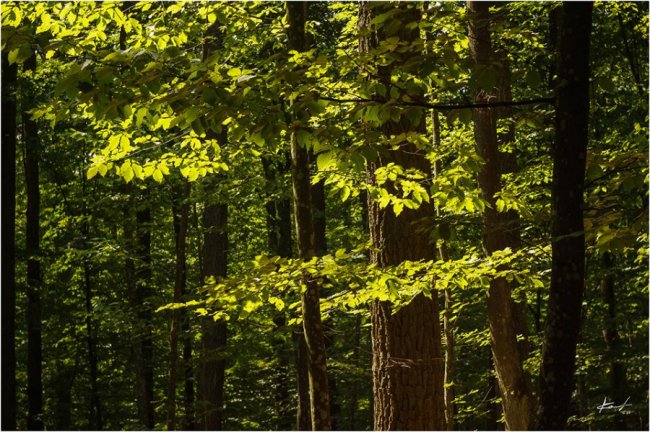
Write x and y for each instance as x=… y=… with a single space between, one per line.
x=324 y=215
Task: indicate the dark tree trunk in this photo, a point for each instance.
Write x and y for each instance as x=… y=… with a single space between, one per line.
x=278 y=223
x=34 y=278
x=408 y=364
x=499 y=229
x=180 y=210
x=144 y=343
x=213 y=365
x=215 y=265
x=617 y=378
x=9 y=138
x=568 y=240
x=188 y=387
x=138 y=272
x=95 y=410
x=62 y=385
x=312 y=326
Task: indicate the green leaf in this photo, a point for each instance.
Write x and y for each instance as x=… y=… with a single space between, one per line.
x=324 y=160
x=92 y=172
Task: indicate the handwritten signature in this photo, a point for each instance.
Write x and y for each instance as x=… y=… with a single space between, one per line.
x=610 y=405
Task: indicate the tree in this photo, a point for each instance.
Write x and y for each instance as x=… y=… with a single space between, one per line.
x=306 y=242
x=9 y=111
x=180 y=210
x=568 y=239
x=499 y=232
x=34 y=277
x=408 y=366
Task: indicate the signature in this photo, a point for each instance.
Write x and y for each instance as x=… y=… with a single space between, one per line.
x=610 y=405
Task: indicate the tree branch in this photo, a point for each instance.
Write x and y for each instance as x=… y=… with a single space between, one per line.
x=448 y=106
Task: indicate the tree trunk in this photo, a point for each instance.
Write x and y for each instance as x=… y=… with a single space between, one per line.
x=180 y=210
x=278 y=223
x=8 y=157
x=448 y=326
x=499 y=232
x=215 y=246
x=137 y=274
x=144 y=343
x=312 y=326
x=568 y=240
x=95 y=412
x=408 y=366
x=617 y=373
x=215 y=264
x=62 y=382
x=34 y=278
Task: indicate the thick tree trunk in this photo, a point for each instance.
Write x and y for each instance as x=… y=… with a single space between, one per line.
x=213 y=366
x=312 y=326
x=180 y=210
x=499 y=232
x=9 y=138
x=137 y=274
x=568 y=240
x=215 y=264
x=34 y=278
x=408 y=364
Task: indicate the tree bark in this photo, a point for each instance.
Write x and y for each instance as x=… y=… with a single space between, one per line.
x=34 y=277
x=9 y=139
x=499 y=229
x=306 y=241
x=448 y=325
x=211 y=386
x=180 y=210
x=568 y=240
x=408 y=367
x=215 y=264
x=278 y=223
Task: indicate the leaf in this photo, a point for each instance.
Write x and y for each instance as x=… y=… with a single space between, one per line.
x=158 y=176
x=234 y=72
x=92 y=172
x=278 y=303
x=324 y=160
x=127 y=171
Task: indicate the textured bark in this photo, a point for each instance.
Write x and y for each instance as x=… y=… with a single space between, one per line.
x=8 y=157
x=408 y=368
x=180 y=210
x=448 y=326
x=215 y=248
x=312 y=326
x=34 y=277
x=499 y=229
x=568 y=241
x=215 y=264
